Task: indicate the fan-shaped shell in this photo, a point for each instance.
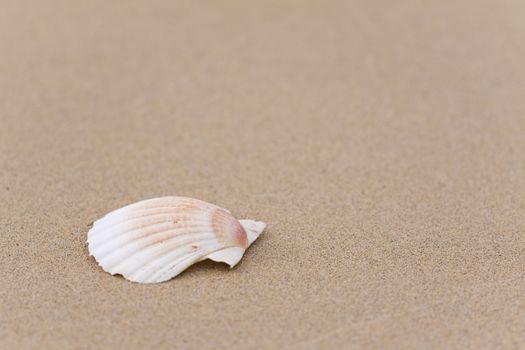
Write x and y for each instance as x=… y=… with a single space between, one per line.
x=156 y=239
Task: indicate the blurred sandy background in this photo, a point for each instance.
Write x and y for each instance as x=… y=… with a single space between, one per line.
x=382 y=141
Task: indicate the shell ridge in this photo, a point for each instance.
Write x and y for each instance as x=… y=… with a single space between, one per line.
x=99 y=240
x=163 y=274
x=138 y=262
x=103 y=253
x=152 y=268
x=150 y=220
x=153 y=256
x=134 y=234
x=104 y=224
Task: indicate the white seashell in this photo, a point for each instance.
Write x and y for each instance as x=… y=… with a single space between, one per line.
x=156 y=239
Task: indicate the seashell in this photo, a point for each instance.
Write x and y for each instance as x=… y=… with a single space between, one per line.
x=156 y=239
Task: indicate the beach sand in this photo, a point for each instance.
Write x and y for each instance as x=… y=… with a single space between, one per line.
x=382 y=141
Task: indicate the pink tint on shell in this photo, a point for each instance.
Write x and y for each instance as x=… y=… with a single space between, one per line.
x=227 y=229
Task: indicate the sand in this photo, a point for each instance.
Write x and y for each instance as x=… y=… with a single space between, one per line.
x=382 y=141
